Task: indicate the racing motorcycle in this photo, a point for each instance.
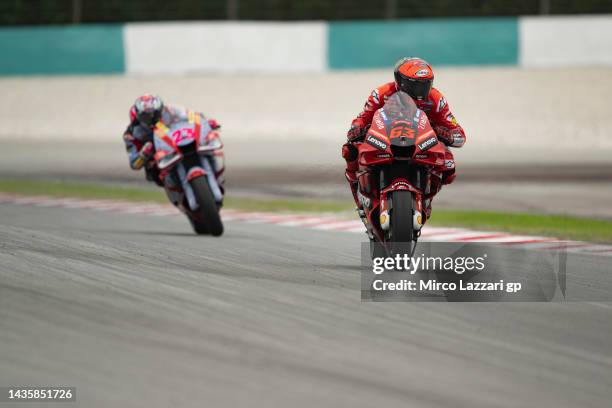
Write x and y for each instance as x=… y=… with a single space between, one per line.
x=400 y=170
x=191 y=163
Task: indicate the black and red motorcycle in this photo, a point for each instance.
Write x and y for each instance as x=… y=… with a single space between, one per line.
x=400 y=168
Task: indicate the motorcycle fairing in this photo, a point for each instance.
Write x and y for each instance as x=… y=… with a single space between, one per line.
x=401 y=124
x=168 y=144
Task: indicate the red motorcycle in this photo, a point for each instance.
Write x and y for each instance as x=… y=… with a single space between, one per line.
x=400 y=170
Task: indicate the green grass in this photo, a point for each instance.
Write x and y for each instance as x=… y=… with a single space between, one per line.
x=81 y=190
x=558 y=226
x=97 y=191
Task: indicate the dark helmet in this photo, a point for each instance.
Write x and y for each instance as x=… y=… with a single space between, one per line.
x=414 y=76
x=148 y=109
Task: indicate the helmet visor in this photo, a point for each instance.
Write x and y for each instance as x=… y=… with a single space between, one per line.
x=418 y=89
x=147 y=118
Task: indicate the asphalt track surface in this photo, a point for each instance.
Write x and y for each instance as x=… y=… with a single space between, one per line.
x=136 y=311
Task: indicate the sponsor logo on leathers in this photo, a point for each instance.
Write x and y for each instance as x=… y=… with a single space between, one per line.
x=441 y=104
x=377 y=143
x=375 y=96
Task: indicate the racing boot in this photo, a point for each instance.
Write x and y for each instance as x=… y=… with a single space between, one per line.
x=349 y=153
x=360 y=199
x=426 y=209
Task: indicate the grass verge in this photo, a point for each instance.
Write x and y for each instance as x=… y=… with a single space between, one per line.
x=98 y=191
x=558 y=226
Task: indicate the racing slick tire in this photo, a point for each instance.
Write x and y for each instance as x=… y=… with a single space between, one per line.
x=208 y=210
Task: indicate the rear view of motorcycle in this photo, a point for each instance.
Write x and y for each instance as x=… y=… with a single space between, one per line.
x=191 y=162
x=400 y=170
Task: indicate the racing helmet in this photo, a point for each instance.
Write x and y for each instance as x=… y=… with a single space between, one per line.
x=148 y=109
x=414 y=76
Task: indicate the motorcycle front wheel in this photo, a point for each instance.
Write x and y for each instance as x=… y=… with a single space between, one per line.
x=402 y=227
x=208 y=210
x=198 y=227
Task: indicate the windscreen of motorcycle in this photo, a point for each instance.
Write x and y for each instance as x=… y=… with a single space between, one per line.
x=403 y=120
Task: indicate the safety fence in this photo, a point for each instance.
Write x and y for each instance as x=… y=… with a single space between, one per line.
x=24 y=12
x=186 y=47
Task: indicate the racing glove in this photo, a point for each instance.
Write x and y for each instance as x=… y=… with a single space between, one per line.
x=147 y=150
x=355 y=133
x=144 y=155
x=214 y=125
x=450 y=137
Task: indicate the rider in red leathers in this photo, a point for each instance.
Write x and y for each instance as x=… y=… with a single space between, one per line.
x=415 y=77
x=145 y=113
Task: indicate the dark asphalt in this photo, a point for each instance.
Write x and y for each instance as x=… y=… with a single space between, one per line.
x=136 y=311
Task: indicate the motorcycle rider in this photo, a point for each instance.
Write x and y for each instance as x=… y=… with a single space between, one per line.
x=145 y=113
x=415 y=77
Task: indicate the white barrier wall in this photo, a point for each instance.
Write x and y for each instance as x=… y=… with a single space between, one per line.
x=304 y=47
x=565 y=41
x=225 y=47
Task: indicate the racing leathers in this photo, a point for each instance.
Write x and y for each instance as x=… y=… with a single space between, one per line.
x=440 y=117
x=138 y=139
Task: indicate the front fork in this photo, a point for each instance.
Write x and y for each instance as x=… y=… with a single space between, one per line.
x=185 y=172
x=419 y=185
